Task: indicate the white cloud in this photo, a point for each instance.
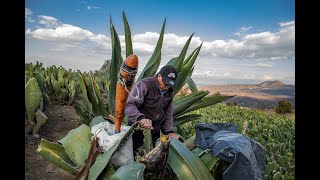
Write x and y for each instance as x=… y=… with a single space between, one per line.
x=243 y=30
x=48 y=21
x=248 y=76
x=63 y=33
x=267 y=77
x=290 y=23
x=261 y=47
x=260 y=65
x=93 y=7
x=28 y=14
x=211 y=73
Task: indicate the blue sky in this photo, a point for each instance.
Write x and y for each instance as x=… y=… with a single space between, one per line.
x=244 y=41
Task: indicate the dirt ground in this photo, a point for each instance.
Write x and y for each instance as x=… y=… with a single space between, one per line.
x=61 y=119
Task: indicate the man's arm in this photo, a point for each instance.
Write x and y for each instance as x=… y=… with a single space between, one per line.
x=168 y=123
x=135 y=100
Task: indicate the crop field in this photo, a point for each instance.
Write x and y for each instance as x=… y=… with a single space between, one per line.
x=275 y=132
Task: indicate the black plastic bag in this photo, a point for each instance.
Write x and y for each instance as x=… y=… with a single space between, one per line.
x=246 y=156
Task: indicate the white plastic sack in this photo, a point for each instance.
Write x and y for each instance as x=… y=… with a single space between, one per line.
x=107 y=138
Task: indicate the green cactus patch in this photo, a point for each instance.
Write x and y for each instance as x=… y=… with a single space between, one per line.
x=41 y=118
x=33 y=98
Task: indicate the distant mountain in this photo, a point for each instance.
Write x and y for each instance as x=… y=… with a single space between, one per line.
x=275 y=83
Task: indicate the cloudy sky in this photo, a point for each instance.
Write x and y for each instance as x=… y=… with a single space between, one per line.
x=244 y=42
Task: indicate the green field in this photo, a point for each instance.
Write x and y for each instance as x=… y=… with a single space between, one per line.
x=275 y=132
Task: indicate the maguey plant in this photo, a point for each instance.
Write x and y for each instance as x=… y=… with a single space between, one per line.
x=78 y=152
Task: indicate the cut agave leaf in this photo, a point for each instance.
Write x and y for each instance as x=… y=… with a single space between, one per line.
x=130 y=171
x=107 y=173
x=77 y=144
x=185 y=164
x=57 y=155
x=209 y=160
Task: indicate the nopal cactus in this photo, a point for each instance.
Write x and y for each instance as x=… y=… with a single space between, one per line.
x=33 y=98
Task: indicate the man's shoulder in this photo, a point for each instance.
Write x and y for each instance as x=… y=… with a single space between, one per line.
x=147 y=79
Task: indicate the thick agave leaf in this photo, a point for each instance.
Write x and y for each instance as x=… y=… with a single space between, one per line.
x=127 y=35
x=185 y=70
x=83 y=88
x=153 y=64
x=204 y=102
x=100 y=106
x=82 y=111
x=94 y=96
x=191 y=84
x=41 y=118
x=182 y=103
x=180 y=131
x=178 y=63
x=191 y=71
x=107 y=173
x=132 y=170
x=57 y=155
x=33 y=98
x=103 y=159
x=147 y=140
x=91 y=92
x=209 y=160
x=185 y=164
x=116 y=62
x=96 y=89
x=184 y=119
x=77 y=144
x=172 y=61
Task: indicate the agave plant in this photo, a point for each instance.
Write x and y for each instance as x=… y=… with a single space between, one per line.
x=183 y=162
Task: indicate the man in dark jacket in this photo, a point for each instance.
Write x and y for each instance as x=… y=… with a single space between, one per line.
x=150 y=102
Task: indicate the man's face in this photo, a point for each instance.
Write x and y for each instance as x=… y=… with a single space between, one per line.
x=162 y=85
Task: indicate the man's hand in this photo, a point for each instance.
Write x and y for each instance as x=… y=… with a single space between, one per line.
x=146 y=123
x=176 y=136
